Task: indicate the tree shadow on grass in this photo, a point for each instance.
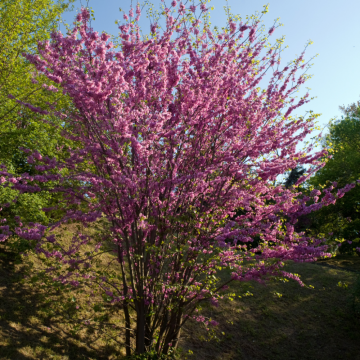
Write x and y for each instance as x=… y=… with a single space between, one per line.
x=346 y=262
x=28 y=333
x=303 y=323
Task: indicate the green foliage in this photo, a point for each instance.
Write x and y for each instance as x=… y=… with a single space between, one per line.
x=22 y=24
x=294 y=176
x=356 y=297
x=149 y=356
x=341 y=221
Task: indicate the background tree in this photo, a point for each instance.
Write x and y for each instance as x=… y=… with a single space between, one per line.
x=341 y=221
x=174 y=135
x=294 y=175
x=23 y=23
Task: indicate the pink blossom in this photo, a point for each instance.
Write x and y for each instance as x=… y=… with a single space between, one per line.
x=153 y=27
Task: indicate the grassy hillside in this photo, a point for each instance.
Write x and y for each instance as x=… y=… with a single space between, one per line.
x=276 y=321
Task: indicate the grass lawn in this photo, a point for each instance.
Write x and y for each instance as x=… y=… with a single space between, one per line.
x=276 y=321
x=284 y=320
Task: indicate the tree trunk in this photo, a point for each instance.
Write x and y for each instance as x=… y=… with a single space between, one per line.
x=126 y=307
x=140 y=326
x=149 y=336
x=127 y=330
x=173 y=333
x=162 y=331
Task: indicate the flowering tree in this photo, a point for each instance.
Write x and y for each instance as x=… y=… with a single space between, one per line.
x=179 y=152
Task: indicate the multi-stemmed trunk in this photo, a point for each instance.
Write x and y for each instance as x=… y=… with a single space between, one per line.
x=169 y=332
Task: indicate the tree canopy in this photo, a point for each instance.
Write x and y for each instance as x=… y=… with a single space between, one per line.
x=23 y=23
x=294 y=175
x=341 y=221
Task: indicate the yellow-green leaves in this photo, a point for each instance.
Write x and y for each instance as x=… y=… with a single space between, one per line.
x=22 y=24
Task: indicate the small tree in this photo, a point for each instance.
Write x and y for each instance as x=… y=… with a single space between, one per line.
x=176 y=135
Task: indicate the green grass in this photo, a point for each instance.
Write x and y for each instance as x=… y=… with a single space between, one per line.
x=284 y=320
x=278 y=321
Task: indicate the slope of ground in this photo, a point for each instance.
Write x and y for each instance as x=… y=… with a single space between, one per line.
x=276 y=321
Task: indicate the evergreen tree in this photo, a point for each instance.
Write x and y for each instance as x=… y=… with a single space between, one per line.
x=294 y=176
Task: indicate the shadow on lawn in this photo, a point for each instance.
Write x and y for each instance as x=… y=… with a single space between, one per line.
x=26 y=332
x=346 y=262
x=279 y=321
x=303 y=323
